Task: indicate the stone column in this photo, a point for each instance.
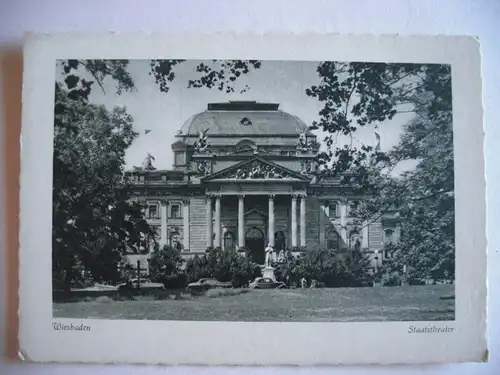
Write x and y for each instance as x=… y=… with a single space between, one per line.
x=185 y=223
x=271 y=220
x=364 y=242
x=241 y=222
x=217 y=222
x=322 y=229
x=209 y=222
x=303 y=220
x=343 y=220
x=294 y=220
x=163 y=226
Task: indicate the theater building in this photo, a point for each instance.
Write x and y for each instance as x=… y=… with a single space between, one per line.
x=243 y=177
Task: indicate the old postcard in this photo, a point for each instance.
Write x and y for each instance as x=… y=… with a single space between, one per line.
x=252 y=200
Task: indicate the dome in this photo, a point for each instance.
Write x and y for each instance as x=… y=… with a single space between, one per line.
x=243 y=119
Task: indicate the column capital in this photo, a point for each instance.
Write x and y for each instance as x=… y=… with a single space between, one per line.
x=271 y=196
x=214 y=195
x=241 y=196
x=186 y=201
x=294 y=197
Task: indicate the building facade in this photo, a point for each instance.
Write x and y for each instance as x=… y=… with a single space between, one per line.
x=244 y=177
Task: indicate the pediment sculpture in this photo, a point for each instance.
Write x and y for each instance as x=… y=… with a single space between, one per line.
x=257 y=170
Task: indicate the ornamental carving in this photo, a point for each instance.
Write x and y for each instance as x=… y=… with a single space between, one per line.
x=306 y=167
x=203 y=167
x=257 y=170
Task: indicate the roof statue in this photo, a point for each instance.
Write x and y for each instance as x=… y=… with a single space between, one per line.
x=148 y=163
x=201 y=145
x=303 y=145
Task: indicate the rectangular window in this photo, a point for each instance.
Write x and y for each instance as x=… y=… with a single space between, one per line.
x=333 y=209
x=175 y=211
x=153 y=211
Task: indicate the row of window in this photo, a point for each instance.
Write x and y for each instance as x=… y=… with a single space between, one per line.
x=173 y=211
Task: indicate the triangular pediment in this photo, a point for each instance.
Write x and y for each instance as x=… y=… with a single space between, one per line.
x=256 y=168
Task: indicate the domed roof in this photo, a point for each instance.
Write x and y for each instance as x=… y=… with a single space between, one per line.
x=243 y=118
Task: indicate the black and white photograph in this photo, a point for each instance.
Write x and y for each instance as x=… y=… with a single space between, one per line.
x=253 y=190
x=252 y=200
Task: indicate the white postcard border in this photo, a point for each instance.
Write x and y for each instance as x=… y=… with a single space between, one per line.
x=218 y=343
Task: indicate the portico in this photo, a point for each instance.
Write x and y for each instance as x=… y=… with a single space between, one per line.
x=246 y=202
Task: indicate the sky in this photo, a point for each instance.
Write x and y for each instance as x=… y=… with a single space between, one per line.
x=282 y=82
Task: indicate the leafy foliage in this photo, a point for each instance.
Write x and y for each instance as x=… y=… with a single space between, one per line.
x=94 y=221
x=359 y=94
x=166 y=266
x=223 y=265
x=329 y=267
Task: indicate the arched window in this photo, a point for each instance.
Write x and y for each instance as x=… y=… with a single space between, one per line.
x=175 y=240
x=228 y=240
x=280 y=241
x=245 y=145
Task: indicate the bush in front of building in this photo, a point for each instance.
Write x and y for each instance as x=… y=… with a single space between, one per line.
x=166 y=267
x=223 y=265
x=331 y=268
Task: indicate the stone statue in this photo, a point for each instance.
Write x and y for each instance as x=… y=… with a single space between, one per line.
x=200 y=146
x=148 y=162
x=281 y=256
x=269 y=255
x=302 y=143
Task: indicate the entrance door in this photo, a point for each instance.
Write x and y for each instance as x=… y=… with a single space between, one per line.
x=255 y=242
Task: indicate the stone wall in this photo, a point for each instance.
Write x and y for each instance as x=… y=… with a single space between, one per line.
x=312 y=222
x=375 y=235
x=197 y=224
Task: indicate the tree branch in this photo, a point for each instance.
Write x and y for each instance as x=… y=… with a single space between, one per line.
x=93 y=74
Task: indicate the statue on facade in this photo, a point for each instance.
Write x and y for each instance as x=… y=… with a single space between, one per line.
x=269 y=255
x=281 y=256
x=201 y=145
x=302 y=143
x=148 y=163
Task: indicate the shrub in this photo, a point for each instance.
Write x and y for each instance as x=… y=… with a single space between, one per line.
x=223 y=265
x=165 y=267
x=331 y=268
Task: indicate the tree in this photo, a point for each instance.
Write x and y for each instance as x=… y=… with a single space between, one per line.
x=358 y=94
x=94 y=221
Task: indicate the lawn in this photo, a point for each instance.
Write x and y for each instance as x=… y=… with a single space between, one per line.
x=295 y=305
